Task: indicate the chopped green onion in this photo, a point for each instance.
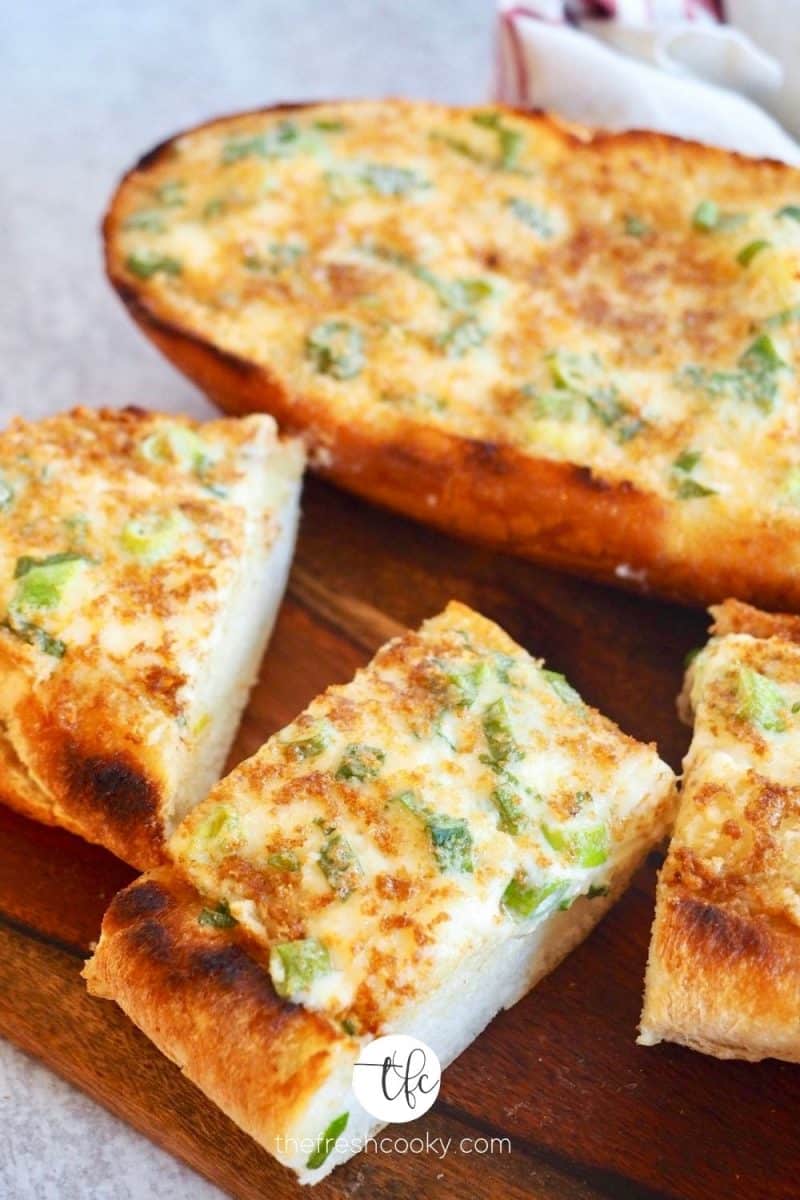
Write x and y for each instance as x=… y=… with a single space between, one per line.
x=34 y=635
x=523 y=899
x=171 y=193
x=173 y=443
x=706 y=215
x=450 y=837
x=147 y=219
x=284 y=860
x=760 y=701
x=587 y=847
x=748 y=252
x=339 y=865
x=532 y=215
x=451 y=841
x=563 y=689
x=293 y=966
x=513 y=818
x=687 y=460
x=465 y=683
x=152 y=536
x=360 y=762
x=792 y=211
x=327 y=1142
x=336 y=348
x=307 y=747
x=219 y=833
x=219 y=917
x=462 y=337
x=635 y=226
x=499 y=735
x=146 y=263
x=41 y=582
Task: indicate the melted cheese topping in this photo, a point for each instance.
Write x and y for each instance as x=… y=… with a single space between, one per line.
x=737 y=839
x=629 y=304
x=123 y=535
x=454 y=792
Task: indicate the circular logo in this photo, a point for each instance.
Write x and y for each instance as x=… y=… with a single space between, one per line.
x=396 y=1078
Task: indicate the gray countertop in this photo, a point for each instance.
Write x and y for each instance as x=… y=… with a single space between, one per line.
x=87 y=87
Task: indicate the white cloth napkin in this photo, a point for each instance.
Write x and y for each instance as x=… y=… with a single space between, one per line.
x=668 y=65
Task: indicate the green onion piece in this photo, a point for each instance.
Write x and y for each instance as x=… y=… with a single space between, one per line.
x=327 y=1142
x=586 y=847
x=762 y=354
x=760 y=701
x=635 y=226
x=523 y=899
x=450 y=838
x=687 y=460
x=219 y=917
x=532 y=215
x=563 y=689
x=41 y=582
x=339 y=865
x=282 y=141
x=307 y=747
x=451 y=842
x=690 y=489
x=284 y=860
x=748 y=252
x=178 y=445
x=336 y=348
x=497 y=730
x=465 y=683
x=326 y=125
x=792 y=211
x=34 y=635
x=706 y=215
x=360 y=762
x=146 y=219
x=152 y=536
x=171 y=193
x=513 y=818
x=146 y=263
x=462 y=337
x=388 y=180
x=218 y=834
x=293 y=966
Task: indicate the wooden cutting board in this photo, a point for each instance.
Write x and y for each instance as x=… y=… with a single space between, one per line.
x=587 y=1112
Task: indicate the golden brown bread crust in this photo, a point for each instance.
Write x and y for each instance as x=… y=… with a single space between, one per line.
x=722 y=982
x=735 y=617
x=104 y=782
x=555 y=512
x=723 y=973
x=182 y=983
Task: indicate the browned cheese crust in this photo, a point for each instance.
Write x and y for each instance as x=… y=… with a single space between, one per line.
x=724 y=969
x=626 y=467
x=123 y=533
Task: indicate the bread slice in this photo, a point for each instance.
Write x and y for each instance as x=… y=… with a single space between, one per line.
x=442 y=831
x=578 y=347
x=142 y=562
x=724 y=970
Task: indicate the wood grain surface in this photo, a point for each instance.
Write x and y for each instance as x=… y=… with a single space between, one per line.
x=588 y=1113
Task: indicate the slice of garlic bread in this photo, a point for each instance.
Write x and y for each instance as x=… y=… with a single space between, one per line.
x=582 y=348
x=412 y=854
x=724 y=969
x=142 y=561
